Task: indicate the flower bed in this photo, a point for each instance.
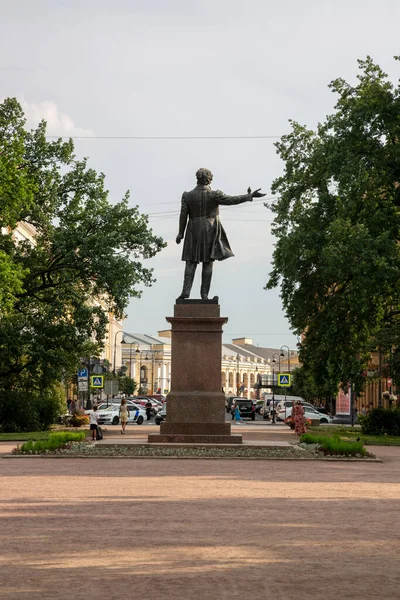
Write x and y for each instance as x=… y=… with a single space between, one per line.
x=334 y=446
x=55 y=441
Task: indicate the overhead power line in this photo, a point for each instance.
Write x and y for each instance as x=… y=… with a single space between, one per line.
x=164 y=137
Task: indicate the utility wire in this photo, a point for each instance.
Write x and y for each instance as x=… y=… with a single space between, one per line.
x=164 y=137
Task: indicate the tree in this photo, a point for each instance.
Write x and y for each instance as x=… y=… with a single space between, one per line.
x=86 y=260
x=337 y=227
x=127 y=385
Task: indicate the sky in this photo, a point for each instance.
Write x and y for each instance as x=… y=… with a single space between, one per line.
x=191 y=68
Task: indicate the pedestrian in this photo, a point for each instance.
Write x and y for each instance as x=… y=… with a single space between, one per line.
x=298 y=415
x=363 y=410
x=123 y=415
x=238 y=415
x=94 y=421
x=69 y=405
x=72 y=407
x=148 y=408
x=233 y=410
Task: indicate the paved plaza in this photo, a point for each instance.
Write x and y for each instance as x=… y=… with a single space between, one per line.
x=200 y=529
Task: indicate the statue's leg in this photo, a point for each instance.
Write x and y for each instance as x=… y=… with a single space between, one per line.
x=206 y=275
x=190 y=271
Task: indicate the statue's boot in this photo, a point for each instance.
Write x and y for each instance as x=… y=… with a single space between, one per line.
x=190 y=271
x=206 y=275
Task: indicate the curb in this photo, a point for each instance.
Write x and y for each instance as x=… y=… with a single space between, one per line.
x=308 y=458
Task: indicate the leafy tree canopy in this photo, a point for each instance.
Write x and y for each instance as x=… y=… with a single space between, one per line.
x=55 y=295
x=337 y=227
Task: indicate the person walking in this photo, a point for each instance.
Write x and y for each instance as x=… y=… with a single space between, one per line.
x=298 y=415
x=94 y=421
x=233 y=411
x=123 y=415
x=238 y=416
x=69 y=401
x=148 y=407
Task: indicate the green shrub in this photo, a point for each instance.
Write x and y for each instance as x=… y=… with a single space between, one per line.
x=56 y=440
x=29 y=408
x=380 y=421
x=334 y=445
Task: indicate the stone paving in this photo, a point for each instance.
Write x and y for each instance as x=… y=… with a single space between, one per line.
x=200 y=530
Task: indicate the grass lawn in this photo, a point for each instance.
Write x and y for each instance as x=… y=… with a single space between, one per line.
x=31 y=435
x=349 y=433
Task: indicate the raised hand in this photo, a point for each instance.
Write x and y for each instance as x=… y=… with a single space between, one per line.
x=256 y=193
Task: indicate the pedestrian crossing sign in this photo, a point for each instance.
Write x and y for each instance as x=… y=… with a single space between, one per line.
x=284 y=379
x=97 y=381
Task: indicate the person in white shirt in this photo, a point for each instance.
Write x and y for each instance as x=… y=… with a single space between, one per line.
x=94 y=421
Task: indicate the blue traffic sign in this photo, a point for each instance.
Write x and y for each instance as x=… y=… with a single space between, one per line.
x=97 y=381
x=284 y=379
x=83 y=372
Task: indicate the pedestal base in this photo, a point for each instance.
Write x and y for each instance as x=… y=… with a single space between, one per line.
x=194 y=433
x=179 y=438
x=196 y=404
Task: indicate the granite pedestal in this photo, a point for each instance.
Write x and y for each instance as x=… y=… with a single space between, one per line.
x=196 y=404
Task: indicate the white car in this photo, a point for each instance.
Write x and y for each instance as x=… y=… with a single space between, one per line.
x=110 y=415
x=309 y=412
x=103 y=405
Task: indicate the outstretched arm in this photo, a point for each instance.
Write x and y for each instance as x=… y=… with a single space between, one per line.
x=221 y=198
x=182 y=219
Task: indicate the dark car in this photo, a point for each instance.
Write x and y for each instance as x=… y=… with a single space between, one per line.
x=246 y=406
x=228 y=403
x=161 y=415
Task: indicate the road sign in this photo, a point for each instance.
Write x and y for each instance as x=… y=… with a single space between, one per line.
x=83 y=385
x=97 y=370
x=284 y=379
x=111 y=387
x=82 y=373
x=97 y=381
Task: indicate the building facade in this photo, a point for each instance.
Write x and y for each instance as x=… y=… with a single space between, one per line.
x=147 y=360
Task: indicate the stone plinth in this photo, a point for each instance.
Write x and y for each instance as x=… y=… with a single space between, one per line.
x=196 y=404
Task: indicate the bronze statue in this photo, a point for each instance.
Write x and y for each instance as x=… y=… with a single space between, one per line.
x=205 y=239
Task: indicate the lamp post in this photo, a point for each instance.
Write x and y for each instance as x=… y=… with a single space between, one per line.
x=273 y=389
x=237 y=374
x=288 y=355
x=115 y=348
x=131 y=344
x=140 y=352
x=288 y=362
x=153 y=352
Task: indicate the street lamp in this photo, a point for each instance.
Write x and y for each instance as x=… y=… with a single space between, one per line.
x=288 y=355
x=115 y=347
x=130 y=353
x=273 y=389
x=237 y=374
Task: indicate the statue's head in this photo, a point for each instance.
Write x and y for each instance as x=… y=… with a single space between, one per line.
x=204 y=176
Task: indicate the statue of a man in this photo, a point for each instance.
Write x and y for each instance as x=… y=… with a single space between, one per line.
x=205 y=239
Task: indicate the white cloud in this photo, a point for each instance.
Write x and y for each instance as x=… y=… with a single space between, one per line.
x=58 y=123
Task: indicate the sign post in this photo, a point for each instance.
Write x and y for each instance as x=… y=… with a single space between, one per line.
x=284 y=381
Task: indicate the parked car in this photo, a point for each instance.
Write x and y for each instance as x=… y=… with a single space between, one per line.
x=259 y=406
x=142 y=401
x=161 y=415
x=246 y=406
x=228 y=403
x=288 y=404
x=310 y=413
x=110 y=415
